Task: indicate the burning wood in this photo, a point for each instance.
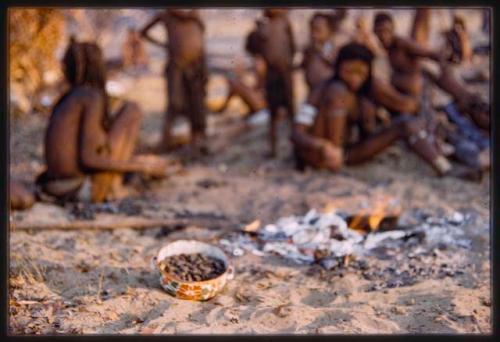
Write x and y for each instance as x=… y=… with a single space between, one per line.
x=372 y=222
x=384 y=215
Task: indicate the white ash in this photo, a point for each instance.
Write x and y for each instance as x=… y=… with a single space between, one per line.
x=298 y=237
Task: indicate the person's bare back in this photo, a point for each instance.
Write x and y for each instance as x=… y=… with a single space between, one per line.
x=81 y=140
x=63 y=132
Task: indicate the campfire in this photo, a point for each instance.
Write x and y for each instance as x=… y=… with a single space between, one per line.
x=319 y=236
x=330 y=236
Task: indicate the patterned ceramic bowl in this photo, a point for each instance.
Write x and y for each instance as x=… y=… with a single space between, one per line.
x=192 y=290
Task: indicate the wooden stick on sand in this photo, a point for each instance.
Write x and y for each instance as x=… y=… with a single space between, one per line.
x=106 y=221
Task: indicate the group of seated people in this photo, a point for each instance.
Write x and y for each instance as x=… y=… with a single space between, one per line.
x=89 y=149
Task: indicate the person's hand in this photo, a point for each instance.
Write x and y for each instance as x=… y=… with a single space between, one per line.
x=332 y=156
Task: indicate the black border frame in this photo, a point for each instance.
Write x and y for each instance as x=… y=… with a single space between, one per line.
x=494 y=180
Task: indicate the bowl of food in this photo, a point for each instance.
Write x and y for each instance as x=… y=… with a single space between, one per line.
x=192 y=270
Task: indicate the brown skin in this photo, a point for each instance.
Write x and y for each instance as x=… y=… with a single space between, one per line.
x=134 y=52
x=404 y=56
x=20 y=197
x=317 y=67
x=278 y=51
x=185 y=38
x=88 y=147
x=363 y=36
x=467 y=102
x=253 y=96
x=458 y=33
x=421 y=26
x=325 y=144
x=185 y=48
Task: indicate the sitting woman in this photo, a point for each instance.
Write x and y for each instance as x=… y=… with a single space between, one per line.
x=324 y=138
x=84 y=148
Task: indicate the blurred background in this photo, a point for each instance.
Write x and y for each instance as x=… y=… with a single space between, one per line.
x=38 y=38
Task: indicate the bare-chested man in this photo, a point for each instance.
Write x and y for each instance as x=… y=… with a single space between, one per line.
x=83 y=144
x=186 y=71
x=405 y=55
x=278 y=52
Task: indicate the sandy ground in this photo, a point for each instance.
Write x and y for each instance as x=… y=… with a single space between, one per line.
x=99 y=282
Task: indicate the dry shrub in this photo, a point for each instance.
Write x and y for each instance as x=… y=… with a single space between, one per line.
x=34 y=35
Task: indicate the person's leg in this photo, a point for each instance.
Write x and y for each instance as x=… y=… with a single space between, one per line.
x=466 y=101
x=373 y=145
x=254 y=99
x=409 y=128
x=230 y=95
x=276 y=100
x=195 y=81
x=122 y=138
x=289 y=95
x=176 y=101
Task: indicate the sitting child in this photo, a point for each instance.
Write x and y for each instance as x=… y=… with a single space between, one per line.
x=254 y=96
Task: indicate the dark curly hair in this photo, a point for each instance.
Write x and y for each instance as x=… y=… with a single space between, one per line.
x=355 y=51
x=381 y=17
x=84 y=66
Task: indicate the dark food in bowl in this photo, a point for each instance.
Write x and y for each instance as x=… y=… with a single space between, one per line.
x=193 y=267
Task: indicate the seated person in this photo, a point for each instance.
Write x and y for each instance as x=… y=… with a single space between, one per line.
x=83 y=145
x=405 y=56
x=325 y=139
x=253 y=96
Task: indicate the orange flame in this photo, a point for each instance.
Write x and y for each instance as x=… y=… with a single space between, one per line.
x=372 y=217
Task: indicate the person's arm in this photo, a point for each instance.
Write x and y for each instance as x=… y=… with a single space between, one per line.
x=465 y=45
x=418 y=50
x=388 y=97
x=146 y=34
x=331 y=117
x=90 y=158
x=309 y=146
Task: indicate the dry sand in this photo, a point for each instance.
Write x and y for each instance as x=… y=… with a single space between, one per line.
x=99 y=282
